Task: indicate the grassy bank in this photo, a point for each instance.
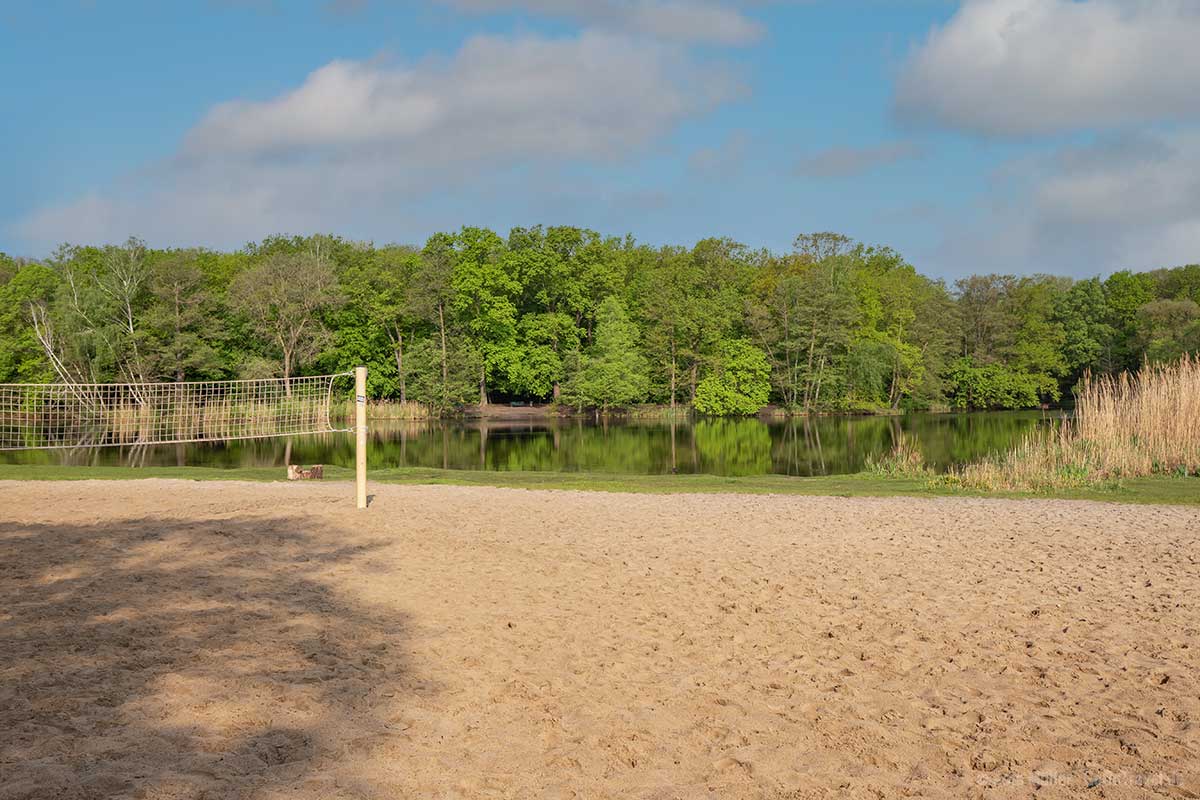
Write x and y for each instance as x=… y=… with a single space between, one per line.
x=1157 y=489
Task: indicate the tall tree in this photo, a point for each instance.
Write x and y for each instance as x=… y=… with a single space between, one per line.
x=613 y=373
x=739 y=384
x=1088 y=338
x=828 y=313
x=283 y=299
x=8 y=268
x=550 y=268
x=1168 y=329
x=26 y=290
x=380 y=288
x=181 y=321
x=1124 y=293
x=430 y=297
x=484 y=300
x=92 y=329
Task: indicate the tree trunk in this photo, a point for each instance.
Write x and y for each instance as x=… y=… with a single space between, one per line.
x=483 y=400
x=400 y=366
x=692 y=379
x=178 y=335
x=287 y=372
x=557 y=391
x=894 y=391
x=820 y=376
x=808 y=377
x=445 y=366
x=672 y=379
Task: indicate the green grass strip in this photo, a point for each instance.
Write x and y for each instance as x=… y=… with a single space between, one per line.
x=1157 y=490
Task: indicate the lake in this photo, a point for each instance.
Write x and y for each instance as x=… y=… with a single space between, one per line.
x=795 y=446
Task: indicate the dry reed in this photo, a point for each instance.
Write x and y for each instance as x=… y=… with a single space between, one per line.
x=904 y=460
x=384 y=409
x=1124 y=426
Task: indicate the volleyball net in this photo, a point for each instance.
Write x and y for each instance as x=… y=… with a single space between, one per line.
x=71 y=415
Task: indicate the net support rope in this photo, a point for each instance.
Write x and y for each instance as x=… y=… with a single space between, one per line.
x=65 y=415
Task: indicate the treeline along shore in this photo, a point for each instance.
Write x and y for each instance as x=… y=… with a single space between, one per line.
x=565 y=315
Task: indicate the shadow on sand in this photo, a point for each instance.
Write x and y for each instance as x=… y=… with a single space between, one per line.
x=201 y=658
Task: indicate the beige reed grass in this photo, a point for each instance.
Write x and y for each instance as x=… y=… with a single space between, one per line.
x=1146 y=423
x=905 y=460
x=384 y=409
x=1124 y=426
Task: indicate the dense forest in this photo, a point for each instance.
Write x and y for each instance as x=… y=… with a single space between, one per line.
x=564 y=314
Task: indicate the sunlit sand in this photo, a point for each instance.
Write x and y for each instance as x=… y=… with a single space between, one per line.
x=165 y=639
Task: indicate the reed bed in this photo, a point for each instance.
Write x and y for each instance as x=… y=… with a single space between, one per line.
x=904 y=460
x=383 y=409
x=136 y=424
x=1125 y=426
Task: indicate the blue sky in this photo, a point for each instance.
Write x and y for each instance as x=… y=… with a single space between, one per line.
x=984 y=135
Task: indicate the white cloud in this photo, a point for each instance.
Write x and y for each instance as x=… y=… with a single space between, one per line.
x=844 y=162
x=361 y=140
x=1017 y=67
x=1133 y=202
x=1130 y=202
x=595 y=95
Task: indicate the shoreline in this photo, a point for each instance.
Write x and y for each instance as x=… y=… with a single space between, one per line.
x=379 y=410
x=1159 y=490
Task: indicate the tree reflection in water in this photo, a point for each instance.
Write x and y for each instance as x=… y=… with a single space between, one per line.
x=750 y=446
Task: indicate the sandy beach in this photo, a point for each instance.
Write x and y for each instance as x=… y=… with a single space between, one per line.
x=168 y=639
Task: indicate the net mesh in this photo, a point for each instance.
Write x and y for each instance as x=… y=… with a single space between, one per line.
x=65 y=415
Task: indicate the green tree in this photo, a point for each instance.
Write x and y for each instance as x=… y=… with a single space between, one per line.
x=690 y=301
x=8 y=268
x=545 y=341
x=991 y=386
x=22 y=359
x=986 y=324
x=613 y=373
x=1038 y=344
x=1082 y=312
x=1178 y=283
x=283 y=299
x=667 y=315
x=431 y=293
x=1168 y=329
x=484 y=300
x=1124 y=293
x=181 y=321
x=553 y=268
x=828 y=313
x=739 y=385
x=428 y=384
x=379 y=290
x=905 y=335
x=775 y=320
x=1013 y=325
x=92 y=330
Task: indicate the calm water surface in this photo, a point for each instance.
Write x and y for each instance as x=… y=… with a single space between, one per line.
x=818 y=446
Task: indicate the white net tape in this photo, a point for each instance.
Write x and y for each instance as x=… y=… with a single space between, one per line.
x=62 y=415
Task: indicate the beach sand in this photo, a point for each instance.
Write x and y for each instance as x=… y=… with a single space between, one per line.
x=168 y=639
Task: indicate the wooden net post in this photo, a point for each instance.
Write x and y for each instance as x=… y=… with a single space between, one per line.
x=360 y=434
